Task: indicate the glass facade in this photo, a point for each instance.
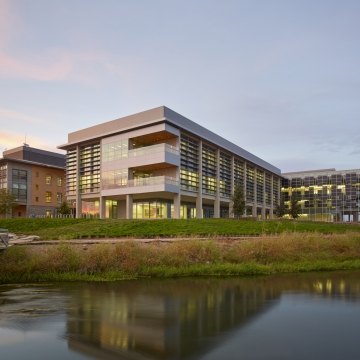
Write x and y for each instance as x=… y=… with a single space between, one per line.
x=331 y=196
x=3 y=176
x=203 y=168
x=225 y=175
x=250 y=183
x=19 y=184
x=209 y=170
x=116 y=150
x=154 y=209
x=238 y=172
x=71 y=172
x=259 y=187
x=114 y=179
x=189 y=169
x=90 y=168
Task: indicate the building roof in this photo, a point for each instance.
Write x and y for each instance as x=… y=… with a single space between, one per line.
x=33 y=156
x=155 y=116
x=319 y=172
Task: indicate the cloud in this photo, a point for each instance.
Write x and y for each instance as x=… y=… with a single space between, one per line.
x=9 y=140
x=48 y=68
x=8 y=116
x=9 y=24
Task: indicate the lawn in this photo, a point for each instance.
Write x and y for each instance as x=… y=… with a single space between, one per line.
x=63 y=229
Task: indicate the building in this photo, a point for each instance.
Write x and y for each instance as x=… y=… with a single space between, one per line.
x=159 y=164
x=36 y=178
x=325 y=195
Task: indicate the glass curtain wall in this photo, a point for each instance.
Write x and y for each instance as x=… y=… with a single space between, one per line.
x=325 y=197
x=208 y=170
x=225 y=175
x=90 y=168
x=71 y=172
x=189 y=170
x=3 y=176
x=19 y=184
x=250 y=183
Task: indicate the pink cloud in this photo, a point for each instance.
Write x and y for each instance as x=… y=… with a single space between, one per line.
x=9 y=24
x=48 y=68
x=8 y=116
x=85 y=66
x=9 y=140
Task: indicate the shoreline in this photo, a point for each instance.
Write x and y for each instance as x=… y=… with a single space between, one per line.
x=123 y=258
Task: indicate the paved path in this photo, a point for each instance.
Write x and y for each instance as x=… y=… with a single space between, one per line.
x=31 y=241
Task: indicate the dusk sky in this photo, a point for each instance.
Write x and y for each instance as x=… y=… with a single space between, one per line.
x=280 y=78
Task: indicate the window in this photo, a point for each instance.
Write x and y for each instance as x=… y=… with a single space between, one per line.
x=59 y=197
x=3 y=176
x=59 y=181
x=48 y=196
x=48 y=179
x=19 y=184
x=36 y=199
x=37 y=186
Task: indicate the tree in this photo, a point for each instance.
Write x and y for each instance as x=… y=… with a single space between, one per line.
x=238 y=201
x=295 y=207
x=280 y=209
x=7 y=202
x=64 y=209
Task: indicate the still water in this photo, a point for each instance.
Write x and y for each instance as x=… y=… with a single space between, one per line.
x=312 y=316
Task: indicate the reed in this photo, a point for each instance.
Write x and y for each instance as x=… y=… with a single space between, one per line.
x=287 y=252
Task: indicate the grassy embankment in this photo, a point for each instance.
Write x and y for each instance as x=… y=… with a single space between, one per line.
x=295 y=247
x=64 y=229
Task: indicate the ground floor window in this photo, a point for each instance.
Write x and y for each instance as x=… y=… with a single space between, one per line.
x=155 y=209
x=90 y=208
x=188 y=211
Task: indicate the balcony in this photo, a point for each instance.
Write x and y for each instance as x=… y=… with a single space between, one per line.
x=154 y=154
x=153 y=149
x=142 y=185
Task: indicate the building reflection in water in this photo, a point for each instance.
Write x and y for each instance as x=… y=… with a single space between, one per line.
x=178 y=319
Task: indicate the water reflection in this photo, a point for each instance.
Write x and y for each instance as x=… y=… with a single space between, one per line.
x=160 y=319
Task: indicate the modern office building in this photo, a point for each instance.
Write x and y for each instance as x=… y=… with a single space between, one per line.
x=325 y=195
x=159 y=164
x=37 y=179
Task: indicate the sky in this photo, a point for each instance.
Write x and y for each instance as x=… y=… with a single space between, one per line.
x=279 y=78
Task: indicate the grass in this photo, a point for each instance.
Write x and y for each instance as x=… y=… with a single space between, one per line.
x=63 y=229
x=288 y=252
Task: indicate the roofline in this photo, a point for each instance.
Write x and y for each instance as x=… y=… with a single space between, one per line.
x=27 y=162
x=181 y=122
x=319 y=172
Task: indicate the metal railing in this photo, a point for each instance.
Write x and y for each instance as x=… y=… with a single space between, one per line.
x=4 y=238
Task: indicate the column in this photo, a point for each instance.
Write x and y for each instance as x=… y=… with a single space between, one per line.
x=254 y=208
x=102 y=207
x=245 y=187
x=176 y=206
x=199 y=212
x=129 y=206
x=263 y=209
x=78 y=194
x=217 y=194
x=272 y=197
x=231 y=204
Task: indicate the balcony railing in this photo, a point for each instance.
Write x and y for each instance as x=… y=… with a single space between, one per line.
x=153 y=149
x=149 y=181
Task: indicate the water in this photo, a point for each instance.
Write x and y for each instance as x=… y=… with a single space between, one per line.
x=313 y=316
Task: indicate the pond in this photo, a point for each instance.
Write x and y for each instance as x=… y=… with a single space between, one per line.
x=307 y=316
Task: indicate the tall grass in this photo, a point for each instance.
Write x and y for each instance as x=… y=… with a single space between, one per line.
x=287 y=252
